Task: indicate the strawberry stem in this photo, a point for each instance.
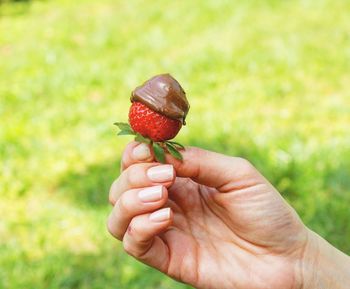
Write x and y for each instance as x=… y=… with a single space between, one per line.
x=159 y=148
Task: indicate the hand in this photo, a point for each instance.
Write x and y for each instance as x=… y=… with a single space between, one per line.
x=211 y=221
x=227 y=226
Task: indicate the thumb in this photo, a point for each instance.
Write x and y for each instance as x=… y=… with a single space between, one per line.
x=215 y=170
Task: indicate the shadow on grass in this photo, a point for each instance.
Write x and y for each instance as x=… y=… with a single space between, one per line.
x=14 y=1
x=14 y=7
x=320 y=196
x=90 y=187
x=109 y=268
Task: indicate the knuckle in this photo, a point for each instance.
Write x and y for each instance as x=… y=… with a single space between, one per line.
x=128 y=248
x=133 y=229
x=110 y=228
x=111 y=199
x=113 y=231
x=195 y=152
x=133 y=174
x=125 y=161
x=244 y=165
x=136 y=231
x=128 y=201
x=123 y=206
x=135 y=241
x=132 y=249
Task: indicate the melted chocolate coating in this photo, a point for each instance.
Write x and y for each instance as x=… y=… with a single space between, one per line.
x=163 y=94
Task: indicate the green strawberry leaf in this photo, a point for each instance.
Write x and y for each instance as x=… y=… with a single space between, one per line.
x=173 y=151
x=159 y=153
x=141 y=138
x=123 y=125
x=125 y=128
x=174 y=143
x=126 y=132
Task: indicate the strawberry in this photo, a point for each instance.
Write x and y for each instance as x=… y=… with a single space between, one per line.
x=152 y=124
x=156 y=115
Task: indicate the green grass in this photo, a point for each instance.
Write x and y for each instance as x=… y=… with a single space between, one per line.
x=267 y=80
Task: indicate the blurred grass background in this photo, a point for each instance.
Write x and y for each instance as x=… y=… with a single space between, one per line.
x=267 y=80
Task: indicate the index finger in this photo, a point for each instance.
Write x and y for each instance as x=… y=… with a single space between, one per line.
x=136 y=152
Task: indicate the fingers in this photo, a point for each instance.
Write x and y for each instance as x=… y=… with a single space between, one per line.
x=140 y=176
x=214 y=170
x=132 y=203
x=136 y=152
x=141 y=240
x=207 y=168
x=132 y=221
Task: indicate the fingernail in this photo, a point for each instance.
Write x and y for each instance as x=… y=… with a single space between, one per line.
x=162 y=173
x=160 y=215
x=151 y=194
x=141 y=152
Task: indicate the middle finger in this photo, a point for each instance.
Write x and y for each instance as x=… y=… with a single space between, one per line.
x=140 y=176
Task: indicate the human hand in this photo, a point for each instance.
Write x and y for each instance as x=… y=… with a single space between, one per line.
x=211 y=221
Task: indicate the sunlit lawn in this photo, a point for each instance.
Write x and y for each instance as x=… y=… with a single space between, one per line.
x=267 y=80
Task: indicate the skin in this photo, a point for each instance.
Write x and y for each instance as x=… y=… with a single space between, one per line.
x=228 y=226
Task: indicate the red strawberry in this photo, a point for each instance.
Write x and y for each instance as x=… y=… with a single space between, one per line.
x=152 y=124
x=157 y=113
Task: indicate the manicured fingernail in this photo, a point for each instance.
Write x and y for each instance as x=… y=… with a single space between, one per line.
x=163 y=173
x=141 y=152
x=151 y=194
x=160 y=215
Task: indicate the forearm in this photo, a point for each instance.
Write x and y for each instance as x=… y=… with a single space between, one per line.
x=324 y=266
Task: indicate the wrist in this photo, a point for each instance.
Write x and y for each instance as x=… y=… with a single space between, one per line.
x=323 y=266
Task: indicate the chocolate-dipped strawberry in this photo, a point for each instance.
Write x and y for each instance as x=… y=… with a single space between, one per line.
x=157 y=113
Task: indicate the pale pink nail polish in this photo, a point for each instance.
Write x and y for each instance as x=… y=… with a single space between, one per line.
x=162 y=173
x=160 y=215
x=151 y=194
x=141 y=152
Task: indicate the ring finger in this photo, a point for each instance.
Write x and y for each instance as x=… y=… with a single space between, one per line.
x=132 y=203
